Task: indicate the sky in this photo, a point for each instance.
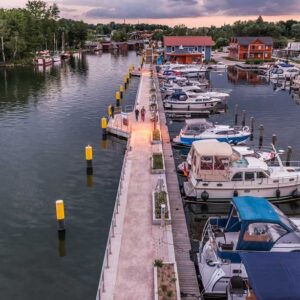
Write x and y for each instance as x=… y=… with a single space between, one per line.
x=192 y=13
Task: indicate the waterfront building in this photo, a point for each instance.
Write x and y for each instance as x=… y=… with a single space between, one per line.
x=251 y=47
x=188 y=49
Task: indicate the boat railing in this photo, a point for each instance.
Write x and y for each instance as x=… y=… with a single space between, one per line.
x=113 y=225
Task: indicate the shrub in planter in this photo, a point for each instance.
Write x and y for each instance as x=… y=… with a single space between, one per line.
x=158 y=162
x=156 y=135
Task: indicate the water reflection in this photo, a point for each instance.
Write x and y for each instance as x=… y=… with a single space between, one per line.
x=238 y=76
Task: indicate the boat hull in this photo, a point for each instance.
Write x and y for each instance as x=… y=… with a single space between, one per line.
x=234 y=140
x=225 y=193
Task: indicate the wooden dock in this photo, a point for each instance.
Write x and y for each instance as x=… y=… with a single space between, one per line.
x=188 y=282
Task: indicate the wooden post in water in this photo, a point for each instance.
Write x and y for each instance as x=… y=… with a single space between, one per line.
x=236 y=114
x=261 y=134
x=251 y=128
x=243 y=118
x=274 y=139
x=288 y=156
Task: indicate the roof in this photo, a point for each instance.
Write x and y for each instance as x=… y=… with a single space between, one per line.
x=188 y=41
x=212 y=148
x=273 y=275
x=254 y=208
x=246 y=40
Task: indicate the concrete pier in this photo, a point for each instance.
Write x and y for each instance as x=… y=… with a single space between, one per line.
x=134 y=241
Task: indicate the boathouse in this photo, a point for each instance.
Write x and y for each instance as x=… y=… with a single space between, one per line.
x=250 y=47
x=188 y=49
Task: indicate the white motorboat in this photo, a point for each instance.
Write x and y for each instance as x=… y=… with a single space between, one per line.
x=219 y=66
x=218 y=172
x=180 y=101
x=189 y=71
x=265 y=154
x=43 y=58
x=56 y=58
x=283 y=71
x=201 y=129
x=253 y=225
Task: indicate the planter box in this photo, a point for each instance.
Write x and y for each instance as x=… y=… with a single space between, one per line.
x=153 y=142
x=158 y=288
x=155 y=220
x=158 y=171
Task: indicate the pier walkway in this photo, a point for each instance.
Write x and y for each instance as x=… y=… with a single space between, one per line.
x=134 y=242
x=188 y=283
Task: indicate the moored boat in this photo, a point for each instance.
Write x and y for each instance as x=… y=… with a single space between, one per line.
x=202 y=129
x=43 y=58
x=218 y=172
x=252 y=225
x=181 y=101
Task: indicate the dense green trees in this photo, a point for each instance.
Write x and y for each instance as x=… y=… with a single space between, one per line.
x=25 y=31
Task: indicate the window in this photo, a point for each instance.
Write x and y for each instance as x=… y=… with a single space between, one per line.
x=264 y=232
x=195 y=49
x=249 y=176
x=267 y=47
x=266 y=54
x=258 y=55
x=237 y=177
x=259 y=47
x=261 y=175
x=173 y=49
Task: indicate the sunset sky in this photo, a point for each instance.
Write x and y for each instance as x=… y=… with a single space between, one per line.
x=193 y=13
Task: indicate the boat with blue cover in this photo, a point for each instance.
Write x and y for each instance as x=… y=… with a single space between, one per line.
x=271 y=275
x=202 y=129
x=252 y=225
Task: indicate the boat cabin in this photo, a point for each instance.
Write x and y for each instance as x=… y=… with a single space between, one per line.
x=196 y=126
x=253 y=224
x=210 y=160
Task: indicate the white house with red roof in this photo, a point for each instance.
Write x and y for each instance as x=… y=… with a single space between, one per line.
x=188 y=49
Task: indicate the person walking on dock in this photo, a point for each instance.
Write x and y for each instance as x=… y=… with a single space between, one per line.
x=143 y=113
x=137 y=112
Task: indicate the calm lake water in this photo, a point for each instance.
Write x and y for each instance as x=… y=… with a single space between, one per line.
x=46 y=120
x=277 y=110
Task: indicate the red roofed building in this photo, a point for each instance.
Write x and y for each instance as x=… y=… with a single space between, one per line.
x=188 y=49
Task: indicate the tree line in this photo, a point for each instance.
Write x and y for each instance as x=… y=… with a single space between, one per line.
x=281 y=31
x=23 y=31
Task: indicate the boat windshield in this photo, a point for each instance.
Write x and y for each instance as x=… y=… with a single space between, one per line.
x=284 y=219
x=194 y=129
x=241 y=163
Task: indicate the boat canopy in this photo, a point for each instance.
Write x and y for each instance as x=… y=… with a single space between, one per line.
x=255 y=209
x=212 y=148
x=273 y=275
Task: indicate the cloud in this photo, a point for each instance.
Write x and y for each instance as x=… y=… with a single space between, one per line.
x=143 y=9
x=253 y=7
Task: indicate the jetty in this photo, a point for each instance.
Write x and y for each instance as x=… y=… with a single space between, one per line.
x=138 y=244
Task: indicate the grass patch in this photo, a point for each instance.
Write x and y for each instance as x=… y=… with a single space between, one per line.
x=158 y=163
x=160 y=198
x=156 y=135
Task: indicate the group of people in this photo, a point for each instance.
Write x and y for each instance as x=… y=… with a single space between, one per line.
x=143 y=114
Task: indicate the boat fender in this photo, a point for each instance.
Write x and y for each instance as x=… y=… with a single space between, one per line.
x=204 y=195
x=235 y=193
x=211 y=263
x=188 y=107
x=277 y=193
x=295 y=193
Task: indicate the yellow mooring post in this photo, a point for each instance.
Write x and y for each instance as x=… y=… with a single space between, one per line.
x=89 y=159
x=60 y=214
x=118 y=99
x=125 y=82
x=104 y=126
x=121 y=91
